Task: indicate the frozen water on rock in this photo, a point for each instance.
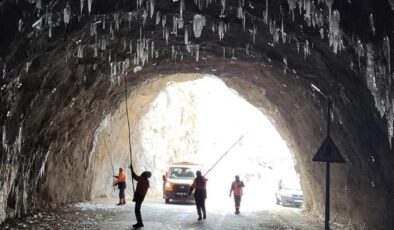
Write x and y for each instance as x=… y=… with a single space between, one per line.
x=199 y=22
x=372 y=24
x=90 y=6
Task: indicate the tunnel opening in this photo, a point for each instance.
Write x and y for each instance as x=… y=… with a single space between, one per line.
x=199 y=120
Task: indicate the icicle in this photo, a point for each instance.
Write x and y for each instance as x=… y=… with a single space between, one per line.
x=152 y=8
x=93 y=29
x=188 y=47
x=82 y=1
x=224 y=52
x=111 y=32
x=90 y=6
x=199 y=22
x=233 y=57
x=306 y=49
x=247 y=49
x=144 y=17
x=50 y=24
x=181 y=8
x=172 y=52
x=223 y=8
x=67 y=14
x=175 y=25
x=157 y=18
x=221 y=30
x=244 y=22
x=265 y=14
x=95 y=53
x=103 y=43
x=27 y=67
x=359 y=51
x=180 y=23
x=19 y=140
x=20 y=25
x=386 y=53
x=129 y=19
x=186 y=35
x=104 y=20
x=321 y=33
x=292 y=6
x=285 y=62
x=152 y=49
x=80 y=51
x=163 y=21
x=371 y=24
x=197 y=52
x=117 y=21
x=282 y=32
x=4 y=139
x=254 y=32
x=166 y=34
x=240 y=13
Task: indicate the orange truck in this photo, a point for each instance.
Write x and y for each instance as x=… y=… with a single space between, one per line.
x=178 y=180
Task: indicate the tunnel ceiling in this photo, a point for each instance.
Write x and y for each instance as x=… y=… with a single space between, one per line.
x=64 y=67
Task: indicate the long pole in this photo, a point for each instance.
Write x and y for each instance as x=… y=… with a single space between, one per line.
x=327 y=213
x=128 y=125
x=110 y=158
x=225 y=153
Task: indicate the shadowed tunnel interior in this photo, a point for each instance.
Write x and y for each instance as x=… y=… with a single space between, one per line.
x=63 y=91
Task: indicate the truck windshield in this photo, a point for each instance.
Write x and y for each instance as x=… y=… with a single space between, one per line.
x=181 y=173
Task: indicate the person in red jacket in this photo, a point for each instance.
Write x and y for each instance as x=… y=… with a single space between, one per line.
x=121 y=182
x=200 y=194
x=139 y=194
x=237 y=187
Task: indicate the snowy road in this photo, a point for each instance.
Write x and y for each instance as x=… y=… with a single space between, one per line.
x=157 y=215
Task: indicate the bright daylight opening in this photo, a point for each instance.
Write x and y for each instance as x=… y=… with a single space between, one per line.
x=198 y=121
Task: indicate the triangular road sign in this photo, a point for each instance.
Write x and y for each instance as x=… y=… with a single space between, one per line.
x=328 y=152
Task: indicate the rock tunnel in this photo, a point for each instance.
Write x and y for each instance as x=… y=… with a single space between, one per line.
x=66 y=68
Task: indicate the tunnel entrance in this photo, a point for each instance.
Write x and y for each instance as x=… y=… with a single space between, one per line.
x=197 y=121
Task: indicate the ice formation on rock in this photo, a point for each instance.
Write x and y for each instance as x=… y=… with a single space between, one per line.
x=67 y=14
x=199 y=22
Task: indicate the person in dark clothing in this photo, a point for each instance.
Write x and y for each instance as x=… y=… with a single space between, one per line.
x=121 y=182
x=139 y=194
x=200 y=194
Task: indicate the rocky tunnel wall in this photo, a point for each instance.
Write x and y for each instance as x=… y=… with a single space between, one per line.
x=58 y=97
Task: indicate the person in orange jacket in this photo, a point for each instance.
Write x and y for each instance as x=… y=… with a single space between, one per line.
x=237 y=187
x=121 y=186
x=200 y=194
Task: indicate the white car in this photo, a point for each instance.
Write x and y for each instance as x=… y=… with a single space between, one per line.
x=289 y=193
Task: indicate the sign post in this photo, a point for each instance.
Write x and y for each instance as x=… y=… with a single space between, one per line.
x=328 y=152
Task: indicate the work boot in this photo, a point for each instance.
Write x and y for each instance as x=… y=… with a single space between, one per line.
x=237 y=211
x=199 y=214
x=204 y=214
x=138 y=225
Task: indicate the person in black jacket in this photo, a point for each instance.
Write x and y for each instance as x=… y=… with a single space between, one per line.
x=139 y=194
x=200 y=194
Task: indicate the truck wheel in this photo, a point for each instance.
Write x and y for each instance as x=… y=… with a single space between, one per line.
x=167 y=201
